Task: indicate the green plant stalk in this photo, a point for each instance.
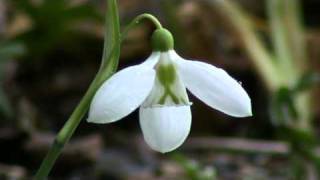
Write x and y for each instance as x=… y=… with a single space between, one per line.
x=108 y=66
x=260 y=56
x=66 y=132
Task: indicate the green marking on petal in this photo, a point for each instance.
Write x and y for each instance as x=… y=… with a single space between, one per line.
x=174 y=98
x=169 y=93
x=163 y=99
x=168 y=89
x=166 y=74
x=183 y=100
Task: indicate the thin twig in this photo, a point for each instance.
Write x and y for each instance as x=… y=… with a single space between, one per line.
x=239 y=145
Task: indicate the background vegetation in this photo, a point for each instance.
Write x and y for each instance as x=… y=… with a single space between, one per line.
x=50 y=51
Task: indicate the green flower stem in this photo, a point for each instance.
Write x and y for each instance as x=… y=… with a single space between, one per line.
x=137 y=21
x=108 y=66
x=66 y=132
x=70 y=126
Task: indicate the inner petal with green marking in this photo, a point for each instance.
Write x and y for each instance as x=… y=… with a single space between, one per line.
x=168 y=89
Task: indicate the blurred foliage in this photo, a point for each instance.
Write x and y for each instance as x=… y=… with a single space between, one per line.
x=8 y=51
x=194 y=170
x=62 y=24
x=53 y=22
x=282 y=109
x=307 y=81
x=283 y=112
x=286 y=70
x=109 y=65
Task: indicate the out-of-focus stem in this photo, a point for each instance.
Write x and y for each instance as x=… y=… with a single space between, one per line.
x=261 y=58
x=279 y=33
x=297 y=45
x=296 y=34
x=288 y=42
x=281 y=71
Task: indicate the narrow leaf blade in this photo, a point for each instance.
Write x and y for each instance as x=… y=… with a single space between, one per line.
x=111 y=50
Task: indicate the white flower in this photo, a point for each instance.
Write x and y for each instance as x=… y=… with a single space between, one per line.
x=158 y=86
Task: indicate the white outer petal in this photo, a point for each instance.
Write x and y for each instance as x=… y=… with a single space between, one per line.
x=165 y=128
x=152 y=60
x=214 y=87
x=122 y=93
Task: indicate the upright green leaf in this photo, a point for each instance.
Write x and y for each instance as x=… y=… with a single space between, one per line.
x=111 y=50
x=108 y=66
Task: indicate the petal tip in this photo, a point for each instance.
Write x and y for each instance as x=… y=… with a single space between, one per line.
x=243 y=110
x=93 y=116
x=99 y=120
x=250 y=112
x=90 y=119
x=247 y=112
x=165 y=129
x=164 y=150
x=93 y=120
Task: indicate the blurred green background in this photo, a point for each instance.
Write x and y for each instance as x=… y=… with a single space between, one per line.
x=50 y=51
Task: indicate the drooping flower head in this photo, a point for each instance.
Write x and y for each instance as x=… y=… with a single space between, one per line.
x=158 y=86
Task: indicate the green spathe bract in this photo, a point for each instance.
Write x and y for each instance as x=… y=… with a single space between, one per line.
x=162 y=40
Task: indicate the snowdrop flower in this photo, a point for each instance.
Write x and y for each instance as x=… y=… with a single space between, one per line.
x=158 y=86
